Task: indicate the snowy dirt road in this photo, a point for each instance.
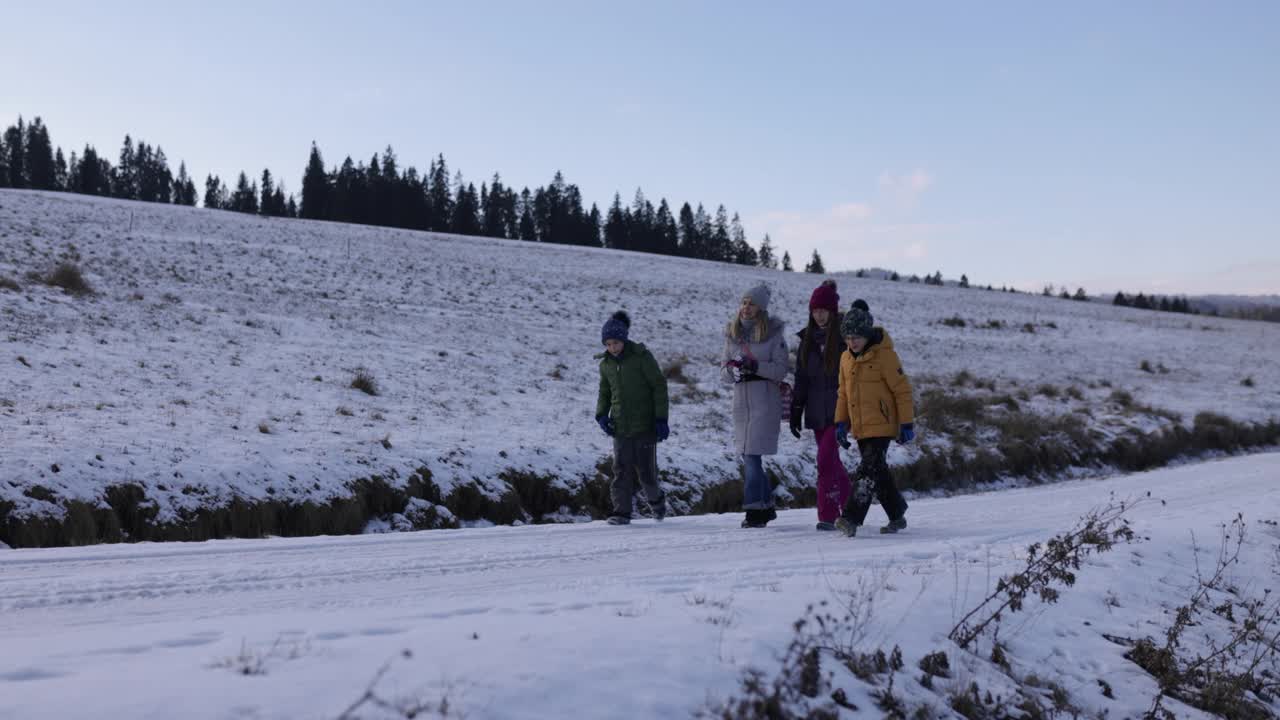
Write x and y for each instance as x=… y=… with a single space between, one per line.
x=582 y=620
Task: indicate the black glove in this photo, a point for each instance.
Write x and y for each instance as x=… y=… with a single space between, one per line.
x=797 y=421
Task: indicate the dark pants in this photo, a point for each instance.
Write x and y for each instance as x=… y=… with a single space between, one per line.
x=635 y=460
x=873 y=471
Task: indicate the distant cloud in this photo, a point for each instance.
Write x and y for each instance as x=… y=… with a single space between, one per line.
x=904 y=191
x=1260 y=277
x=855 y=234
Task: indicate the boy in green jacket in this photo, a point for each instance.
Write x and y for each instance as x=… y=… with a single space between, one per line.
x=632 y=409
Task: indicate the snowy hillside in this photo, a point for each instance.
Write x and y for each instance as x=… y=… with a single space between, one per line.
x=213 y=368
x=655 y=620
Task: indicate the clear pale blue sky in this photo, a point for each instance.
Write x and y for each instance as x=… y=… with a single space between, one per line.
x=1130 y=145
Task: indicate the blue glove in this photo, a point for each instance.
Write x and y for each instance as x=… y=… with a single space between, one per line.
x=842 y=435
x=907 y=433
x=661 y=429
x=606 y=424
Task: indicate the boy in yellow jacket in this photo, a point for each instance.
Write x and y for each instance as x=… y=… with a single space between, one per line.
x=874 y=402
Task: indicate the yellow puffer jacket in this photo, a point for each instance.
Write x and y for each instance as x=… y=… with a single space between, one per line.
x=875 y=395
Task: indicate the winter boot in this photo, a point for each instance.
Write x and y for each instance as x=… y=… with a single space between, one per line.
x=755 y=519
x=825 y=526
x=895 y=525
x=846 y=526
x=619 y=520
x=770 y=514
x=659 y=510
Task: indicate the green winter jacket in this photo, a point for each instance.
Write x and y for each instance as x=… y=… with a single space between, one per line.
x=633 y=390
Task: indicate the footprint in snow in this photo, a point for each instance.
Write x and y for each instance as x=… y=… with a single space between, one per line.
x=26 y=674
x=195 y=640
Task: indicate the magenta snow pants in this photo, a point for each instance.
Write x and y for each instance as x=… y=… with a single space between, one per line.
x=833 y=480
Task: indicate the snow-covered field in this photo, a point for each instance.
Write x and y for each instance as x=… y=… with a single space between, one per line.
x=587 y=620
x=215 y=359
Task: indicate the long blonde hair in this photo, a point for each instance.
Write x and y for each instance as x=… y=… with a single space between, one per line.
x=735 y=330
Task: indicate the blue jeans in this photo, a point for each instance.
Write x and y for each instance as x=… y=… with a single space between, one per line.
x=757 y=494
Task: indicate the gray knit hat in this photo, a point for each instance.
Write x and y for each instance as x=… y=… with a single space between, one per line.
x=857 y=321
x=759 y=295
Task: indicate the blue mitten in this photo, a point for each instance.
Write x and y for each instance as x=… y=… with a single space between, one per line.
x=661 y=429
x=842 y=435
x=606 y=424
x=907 y=433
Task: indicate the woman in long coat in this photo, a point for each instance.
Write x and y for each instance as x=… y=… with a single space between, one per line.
x=755 y=361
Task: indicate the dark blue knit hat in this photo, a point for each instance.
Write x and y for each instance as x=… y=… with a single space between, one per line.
x=616 y=327
x=857 y=321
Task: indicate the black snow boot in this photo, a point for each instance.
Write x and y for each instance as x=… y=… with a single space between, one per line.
x=895 y=525
x=619 y=520
x=755 y=519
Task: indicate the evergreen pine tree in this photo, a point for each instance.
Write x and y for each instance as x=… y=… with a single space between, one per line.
x=266 y=201
x=466 y=211
x=706 y=238
x=184 y=189
x=4 y=162
x=38 y=156
x=815 y=264
x=279 y=207
x=92 y=174
x=245 y=197
x=786 y=262
x=690 y=242
x=315 y=187
x=895 y=276
x=766 y=257
x=1080 y=295
x=125 y=183
x=14 y=137
x=743 y=253
x=615 y=226
x=964 y=280
x=439 y=197
x=721 y=241
x=214 y=192
x=576 y=218
x=387 y=190
x=1120 y=300
x=667 y=234
x=491 y=208
x=594 y=226
x=528 y=227
x=61 y=176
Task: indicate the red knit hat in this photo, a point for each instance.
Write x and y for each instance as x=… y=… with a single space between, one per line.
x=825 y=297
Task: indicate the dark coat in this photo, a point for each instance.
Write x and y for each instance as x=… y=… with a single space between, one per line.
x=633 y=390
x=816 y=390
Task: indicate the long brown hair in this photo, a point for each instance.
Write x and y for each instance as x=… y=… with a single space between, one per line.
x=831 y=356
